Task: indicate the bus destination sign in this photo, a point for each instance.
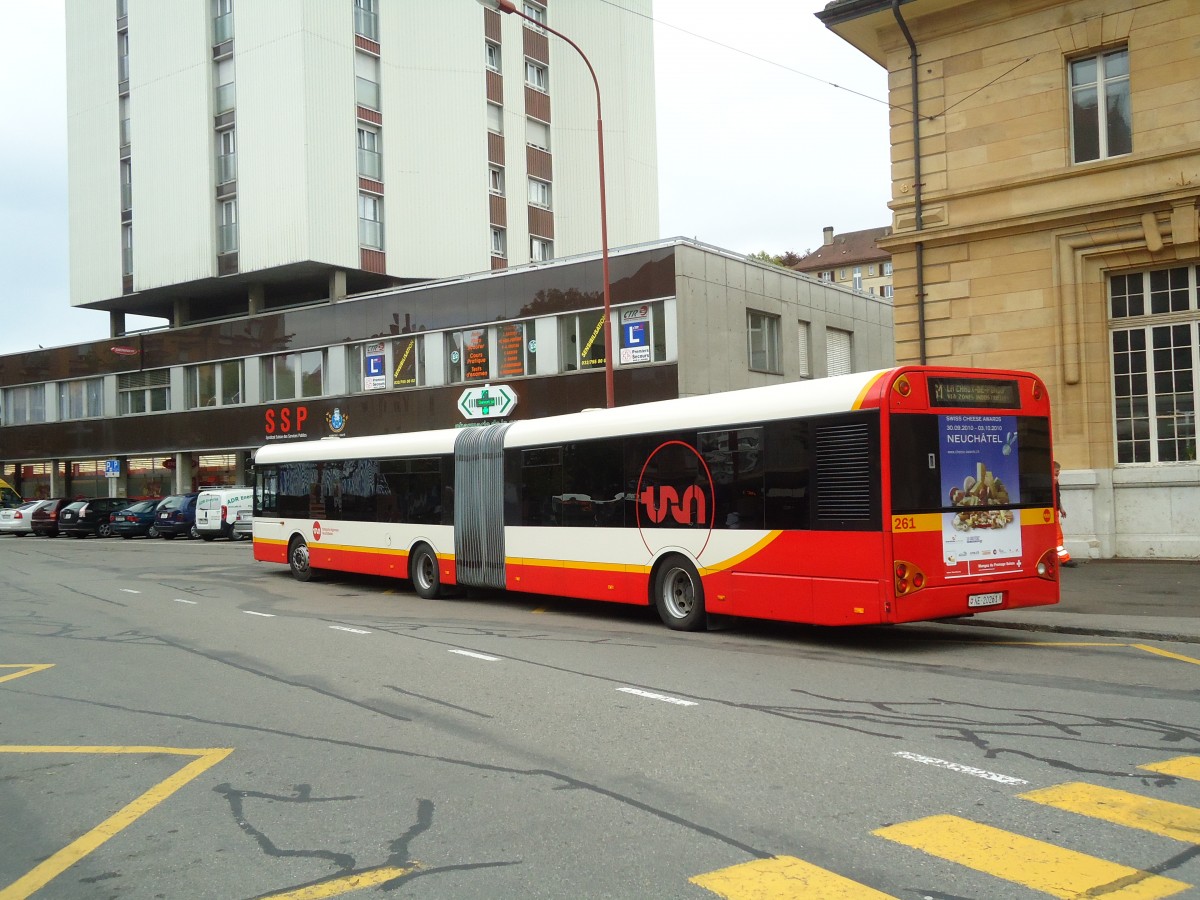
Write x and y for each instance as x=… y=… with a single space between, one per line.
x=975 y=392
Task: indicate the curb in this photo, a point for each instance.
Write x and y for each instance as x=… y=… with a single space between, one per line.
x=1079 y=629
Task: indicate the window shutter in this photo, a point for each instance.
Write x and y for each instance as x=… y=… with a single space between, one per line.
x=837 y=348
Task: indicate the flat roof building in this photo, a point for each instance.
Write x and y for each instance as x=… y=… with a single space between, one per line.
x=184 y=407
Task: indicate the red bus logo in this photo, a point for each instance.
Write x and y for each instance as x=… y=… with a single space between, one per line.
x=679 y=504
x=316 y=531
x=686 y=510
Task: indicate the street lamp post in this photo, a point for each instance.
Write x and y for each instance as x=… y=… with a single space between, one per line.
x=507 y=6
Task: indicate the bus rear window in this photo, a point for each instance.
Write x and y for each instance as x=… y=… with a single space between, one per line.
x=941 y=463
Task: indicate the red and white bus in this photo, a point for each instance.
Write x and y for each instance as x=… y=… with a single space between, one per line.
x=901 y=495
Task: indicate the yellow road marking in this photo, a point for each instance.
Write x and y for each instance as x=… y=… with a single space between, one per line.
x=337 y=886
x=783 y=878
x=26 y=669
x=37 y=878
x=1044 y=867
x=1166 y=653
x=1173 y=820
x=1181 y=767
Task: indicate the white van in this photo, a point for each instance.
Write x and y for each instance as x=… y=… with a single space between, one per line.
x=217 y=509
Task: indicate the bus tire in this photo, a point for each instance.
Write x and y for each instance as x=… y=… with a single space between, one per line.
x=299 y=561
x=423 y=572
x=679 y=595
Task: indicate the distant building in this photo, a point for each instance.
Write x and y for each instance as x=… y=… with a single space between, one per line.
x=853 y=259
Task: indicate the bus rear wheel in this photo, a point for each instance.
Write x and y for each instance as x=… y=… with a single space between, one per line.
x=298 y=560
x=423 y=572
x=679 y=595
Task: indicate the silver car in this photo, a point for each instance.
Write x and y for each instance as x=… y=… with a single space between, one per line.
x=18 y=520
x=243 y=525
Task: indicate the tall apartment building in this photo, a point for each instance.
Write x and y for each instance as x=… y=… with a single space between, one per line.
x=230 y=157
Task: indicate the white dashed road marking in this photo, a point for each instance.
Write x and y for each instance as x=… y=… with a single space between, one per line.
x=957 y=767
x=251 y=612
x=180 y=600
x=476 y=655
x=351 y=630
x=650 y=695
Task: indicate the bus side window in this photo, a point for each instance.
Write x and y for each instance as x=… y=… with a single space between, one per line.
x=264 y=497
x=591 y=484
x=786 y=481
x=541 y=486
x=735 y=461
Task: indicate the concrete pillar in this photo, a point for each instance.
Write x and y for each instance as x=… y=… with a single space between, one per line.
x=257 y=299
x=116 y=323
x=337 y=285
x=179 y=315
x=183 y=473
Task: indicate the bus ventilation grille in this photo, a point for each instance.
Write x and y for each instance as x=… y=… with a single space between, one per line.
x=843 y=460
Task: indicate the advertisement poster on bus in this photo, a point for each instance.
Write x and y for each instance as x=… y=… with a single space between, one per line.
x=978 y=458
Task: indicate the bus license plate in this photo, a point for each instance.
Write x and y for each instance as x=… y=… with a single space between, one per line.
x=994 y=599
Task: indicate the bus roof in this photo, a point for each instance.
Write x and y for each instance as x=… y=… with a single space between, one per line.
x=780 y=401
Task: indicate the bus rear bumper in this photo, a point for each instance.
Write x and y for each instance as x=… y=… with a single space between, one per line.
x=949 y=601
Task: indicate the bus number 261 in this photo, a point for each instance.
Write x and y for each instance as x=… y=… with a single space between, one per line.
x=904 y=523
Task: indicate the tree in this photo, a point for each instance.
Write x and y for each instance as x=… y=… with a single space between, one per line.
x=787 y=259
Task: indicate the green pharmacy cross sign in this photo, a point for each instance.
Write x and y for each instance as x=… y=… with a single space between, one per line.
x=487 y=401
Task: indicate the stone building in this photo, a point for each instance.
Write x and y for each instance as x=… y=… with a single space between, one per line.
x=1045 y=178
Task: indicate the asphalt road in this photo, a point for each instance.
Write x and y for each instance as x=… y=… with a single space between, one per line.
x=178 y=721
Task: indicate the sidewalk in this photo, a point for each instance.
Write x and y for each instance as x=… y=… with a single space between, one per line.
x=1146 y=599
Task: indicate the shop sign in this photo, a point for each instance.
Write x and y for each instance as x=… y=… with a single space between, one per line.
x=487 y=401
x=285 y=423
x=374 y=371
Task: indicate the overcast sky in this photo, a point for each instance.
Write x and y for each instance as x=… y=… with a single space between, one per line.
x=756 y=150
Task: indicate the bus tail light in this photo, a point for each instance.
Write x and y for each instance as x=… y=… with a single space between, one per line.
x=1047 y=566
x=901 y=386
x=909 y=579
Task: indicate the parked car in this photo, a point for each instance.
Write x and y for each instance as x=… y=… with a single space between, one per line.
x=9 y=498
x=84 y=517
x=19 y=520
x=243 y=525
x=176 y=515
x=217 y=508
x=45 y=517
x=135 y=520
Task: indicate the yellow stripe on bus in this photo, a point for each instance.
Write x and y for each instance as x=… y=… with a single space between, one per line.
x=1035 y=864
x=862 y=395
x=1172 y=820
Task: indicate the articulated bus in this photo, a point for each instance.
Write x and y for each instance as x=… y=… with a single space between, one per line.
x=903 y=495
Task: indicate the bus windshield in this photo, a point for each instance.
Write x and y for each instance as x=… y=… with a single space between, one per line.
x=956 y=462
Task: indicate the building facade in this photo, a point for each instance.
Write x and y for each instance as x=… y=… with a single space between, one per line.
x=150 y=414
x=1046 y=175
x=229 y=157
x=853 y=259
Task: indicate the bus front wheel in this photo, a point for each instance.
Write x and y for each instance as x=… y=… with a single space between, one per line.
x=679 y=595
x=423 y=572
x=298 y=560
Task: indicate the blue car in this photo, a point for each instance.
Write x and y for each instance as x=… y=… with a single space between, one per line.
x=136 y=520
x=176 y=515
